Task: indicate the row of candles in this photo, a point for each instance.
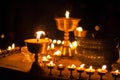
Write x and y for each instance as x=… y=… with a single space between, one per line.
x=10 y=50
x=47 y=61
x=89 y=71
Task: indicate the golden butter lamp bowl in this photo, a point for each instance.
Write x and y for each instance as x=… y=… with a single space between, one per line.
x=35 y=46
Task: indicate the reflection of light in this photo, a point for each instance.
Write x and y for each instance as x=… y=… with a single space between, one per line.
x=57 y=53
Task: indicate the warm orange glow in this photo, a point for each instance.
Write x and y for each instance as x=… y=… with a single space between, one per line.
x=44 y=58
x=79 y=29
x=9 y=48
x=13 y=46
x=39 y=33
x=67 y=14
x=82 y=65
x=52 y=46
x=58 y=41
x=51 y=64
x=104 y=67
x=49 y=57
x=57 y=53
x=54 y=41
x=117 y=71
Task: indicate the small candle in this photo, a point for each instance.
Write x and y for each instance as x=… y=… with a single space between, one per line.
x=103 y=69
x=71 y=67
x=49 y=57
x=115 y=72
x=60 y=67
x=39 y=33
x=57 y=53
x=51 y=64
x=90 y=70
x=44 y=59
x=81 y=68
x=67 y=14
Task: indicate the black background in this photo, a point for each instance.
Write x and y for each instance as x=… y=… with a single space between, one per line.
x=20 y=19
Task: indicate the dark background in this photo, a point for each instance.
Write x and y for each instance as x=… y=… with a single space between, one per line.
x=20 y=19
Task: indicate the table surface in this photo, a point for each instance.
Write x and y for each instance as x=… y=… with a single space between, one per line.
x=18 y=62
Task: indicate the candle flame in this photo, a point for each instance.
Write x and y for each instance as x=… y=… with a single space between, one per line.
x=39 y=33
x=79 y=29
x=58 y=53
x=54 y=41
x=13 y=46
x=90 y=68
x=58 y=41
x=82 y=65
x=60 y=65
x=67 y=14
x=104 y=67
x=116 y=71
x=52 y=46
x=9 y=47
x=51 y=62
x=73 y=66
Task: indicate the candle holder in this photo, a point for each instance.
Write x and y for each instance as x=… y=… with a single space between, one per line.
x=60 y=67
x=101 y=73
x=90 y=72
x=50 y=67
x=80 y=71
x=71 y=69
x=115 y=74
x=67 y=25
x=36 y=46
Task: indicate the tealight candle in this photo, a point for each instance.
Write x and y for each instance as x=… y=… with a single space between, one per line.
x=90 y=71
x=44 y=60
x=115 y=74
x=102 y=71
x=71 y=68
x=80 y=70
x=49 y=57
x=60 y=67
x=50 y=66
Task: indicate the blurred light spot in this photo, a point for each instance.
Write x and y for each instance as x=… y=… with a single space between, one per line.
x=2 y=36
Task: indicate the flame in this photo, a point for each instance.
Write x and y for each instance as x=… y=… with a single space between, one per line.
x=39 y=33
x=73 y=66
x=9 y=47
x=13 y=46
x=82 y=65
x=116 y=71
x=104 y=67
x=58 y=53
x=54 y=41
x=90 y=68
x=52 y=46
x=79 y=29
x=58 y=41
x=67 y=14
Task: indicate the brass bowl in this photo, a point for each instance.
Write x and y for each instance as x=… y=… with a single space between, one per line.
x=67 y=24
x=35 y=46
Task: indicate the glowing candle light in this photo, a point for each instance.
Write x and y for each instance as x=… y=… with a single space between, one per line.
x=116 y=72
x=103 y=70
x=90 y=70
x=67 y=14
x=39 y=33
x=13 y=46
x=57 y=53
x=50 y=64
x=54 y=41
x=9 y=48
x=49 y=57
x=58 y=41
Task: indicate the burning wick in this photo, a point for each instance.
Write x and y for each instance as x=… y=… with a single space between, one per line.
x=39 y=33
x=67 y=14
